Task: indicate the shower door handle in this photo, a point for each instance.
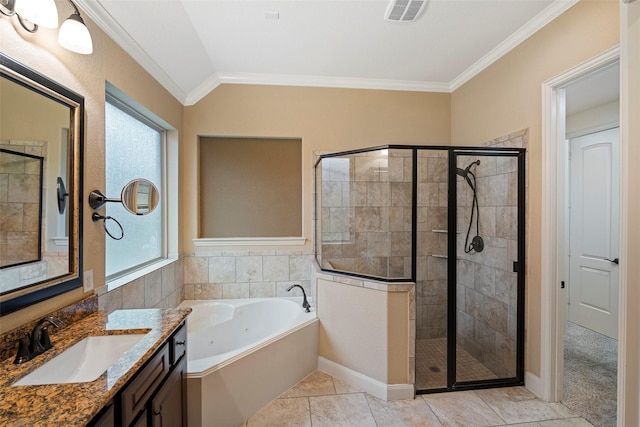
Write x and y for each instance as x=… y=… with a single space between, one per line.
x=616 y=261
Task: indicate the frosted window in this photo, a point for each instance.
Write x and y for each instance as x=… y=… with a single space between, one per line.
x=133 y=150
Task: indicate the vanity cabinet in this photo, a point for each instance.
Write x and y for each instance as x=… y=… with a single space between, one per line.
x=106 y=417
x=168 y=406
x=156 y=395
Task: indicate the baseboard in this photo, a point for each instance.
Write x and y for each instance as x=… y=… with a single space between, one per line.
x=365 y=383
x=533 y=383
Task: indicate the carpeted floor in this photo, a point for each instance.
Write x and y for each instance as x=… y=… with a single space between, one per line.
x=590 y=369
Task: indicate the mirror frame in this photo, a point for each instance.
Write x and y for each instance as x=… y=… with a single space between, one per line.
x=39 y=291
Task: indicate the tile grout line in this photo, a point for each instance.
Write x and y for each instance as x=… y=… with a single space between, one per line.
x=493 y=410
x=434 y=412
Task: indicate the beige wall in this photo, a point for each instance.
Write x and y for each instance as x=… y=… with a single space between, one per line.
x=85 y=74
x=326 y=120
x=507 y=96
x=250 y=187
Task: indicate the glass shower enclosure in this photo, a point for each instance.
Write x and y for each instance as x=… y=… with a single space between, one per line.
x=451 y=220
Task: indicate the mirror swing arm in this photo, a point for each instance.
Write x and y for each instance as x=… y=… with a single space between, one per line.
x=139 y=196
x=97 y=199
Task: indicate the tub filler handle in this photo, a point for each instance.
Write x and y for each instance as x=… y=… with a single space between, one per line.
x=305 y=303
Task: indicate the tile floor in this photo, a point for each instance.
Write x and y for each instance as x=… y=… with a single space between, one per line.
x=322 y=400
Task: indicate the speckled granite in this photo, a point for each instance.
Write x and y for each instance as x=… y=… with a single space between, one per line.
x=69 y=315
x=76 y=404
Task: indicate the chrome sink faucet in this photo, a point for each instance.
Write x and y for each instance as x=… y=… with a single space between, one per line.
x=305 y=303
x=39 y=340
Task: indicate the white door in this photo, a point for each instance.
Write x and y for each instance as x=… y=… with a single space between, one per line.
x=594 y=231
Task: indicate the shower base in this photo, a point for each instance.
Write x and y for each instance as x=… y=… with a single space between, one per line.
x=431 y=365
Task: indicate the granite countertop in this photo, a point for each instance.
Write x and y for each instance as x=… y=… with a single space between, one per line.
x=75 y=404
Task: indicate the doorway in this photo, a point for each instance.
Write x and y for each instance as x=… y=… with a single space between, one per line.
x=580 y=360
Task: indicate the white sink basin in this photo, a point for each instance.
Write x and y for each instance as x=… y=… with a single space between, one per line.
x=85 y=361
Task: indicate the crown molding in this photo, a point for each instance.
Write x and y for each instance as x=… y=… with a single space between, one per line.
x=110 y=26
x=554 y=10
x=310 y=81
x=203 y=89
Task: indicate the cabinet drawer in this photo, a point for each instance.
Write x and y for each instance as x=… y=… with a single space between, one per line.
x=178 y=344
x=137 y=393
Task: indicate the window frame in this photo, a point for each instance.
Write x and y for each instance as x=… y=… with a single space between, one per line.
x=126 y=105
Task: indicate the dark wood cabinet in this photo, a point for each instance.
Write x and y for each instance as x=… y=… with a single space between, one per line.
x=106 y=417
x=169 y=404
x=156 y=395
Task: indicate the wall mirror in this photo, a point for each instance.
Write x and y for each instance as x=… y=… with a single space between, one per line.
x=41 y=132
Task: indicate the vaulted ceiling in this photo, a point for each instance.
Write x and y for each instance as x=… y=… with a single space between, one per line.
x=192 y=46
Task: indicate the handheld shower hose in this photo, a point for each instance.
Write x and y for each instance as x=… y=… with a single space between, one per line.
x=477 y=243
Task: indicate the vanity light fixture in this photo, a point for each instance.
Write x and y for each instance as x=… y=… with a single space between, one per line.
x=32 y=14
x=74 y=34
x=41 y=12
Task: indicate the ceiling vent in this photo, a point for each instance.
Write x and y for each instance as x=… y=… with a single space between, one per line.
x=404 y=10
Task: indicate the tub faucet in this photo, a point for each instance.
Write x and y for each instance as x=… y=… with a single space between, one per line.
x=305 y=303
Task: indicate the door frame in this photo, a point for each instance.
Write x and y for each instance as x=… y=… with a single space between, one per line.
x=554 y=234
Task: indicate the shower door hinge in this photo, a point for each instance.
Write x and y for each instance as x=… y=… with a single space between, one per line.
x=516 y=267
x=562 y=285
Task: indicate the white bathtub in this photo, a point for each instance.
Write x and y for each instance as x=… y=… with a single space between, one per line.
x=242 y=354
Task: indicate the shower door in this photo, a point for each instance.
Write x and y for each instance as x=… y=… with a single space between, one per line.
x=474 y=282
x=488 y=272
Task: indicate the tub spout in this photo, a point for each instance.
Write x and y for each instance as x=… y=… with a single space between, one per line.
x=305 y=303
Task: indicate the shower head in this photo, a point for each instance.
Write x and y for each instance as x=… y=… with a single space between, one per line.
x=464 y=172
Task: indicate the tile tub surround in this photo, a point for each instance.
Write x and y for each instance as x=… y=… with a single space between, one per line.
x=322 y=400
x=162 y=288
x=235 y=275
x=76 y=404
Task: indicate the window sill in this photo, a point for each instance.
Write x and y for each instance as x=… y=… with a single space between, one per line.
x=123 y=280
x=210 y=242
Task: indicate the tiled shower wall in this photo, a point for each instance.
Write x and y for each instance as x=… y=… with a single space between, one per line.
x=366 y=224
x=431 y=277
x=366 y=213
x=19 y=208
x=19 y=202
x=486 y=283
